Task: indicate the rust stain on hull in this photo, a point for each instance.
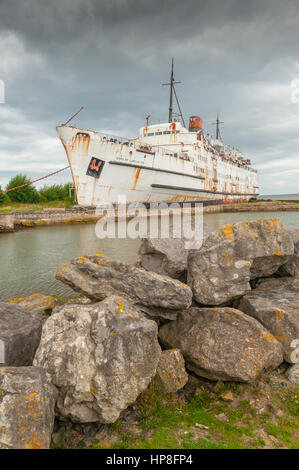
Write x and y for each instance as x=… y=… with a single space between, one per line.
x=93 y=191
x=80 y=145
x=136 y=177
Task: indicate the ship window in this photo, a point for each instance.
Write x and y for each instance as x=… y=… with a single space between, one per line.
x=158 y=133
x=150 y=134
x=166 y=132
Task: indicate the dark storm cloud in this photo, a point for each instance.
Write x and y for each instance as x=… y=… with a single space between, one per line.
x=111 y=56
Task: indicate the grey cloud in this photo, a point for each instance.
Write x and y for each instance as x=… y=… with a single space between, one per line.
x=112 y=56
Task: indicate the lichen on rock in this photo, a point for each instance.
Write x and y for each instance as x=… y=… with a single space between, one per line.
x=99 y=356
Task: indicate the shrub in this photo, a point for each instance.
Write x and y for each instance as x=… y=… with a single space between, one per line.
x=27 y=194
x=56 y=192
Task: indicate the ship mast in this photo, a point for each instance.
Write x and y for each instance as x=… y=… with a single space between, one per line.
x=218 y=122
x=171 y=93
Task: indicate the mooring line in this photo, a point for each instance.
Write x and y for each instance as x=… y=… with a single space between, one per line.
x=34 y=181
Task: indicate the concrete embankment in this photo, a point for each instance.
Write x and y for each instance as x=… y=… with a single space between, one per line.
x=7 y=223
x=16 y=220
x=19 y=219
x=258 y=207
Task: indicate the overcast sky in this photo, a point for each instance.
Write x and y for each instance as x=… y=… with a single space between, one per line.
x=111 y=56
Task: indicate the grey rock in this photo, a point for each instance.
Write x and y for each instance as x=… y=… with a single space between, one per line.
x=171 y=373
x=293 y=374
x=221 y=270
x=275 y=304
x=20 y=333
x=164 y=256
x=99 y=356
x=38 y=303
x=27 y=402
x=292 y=266
x=98 y=277
x=73 y=300
x=222 y=344
x=157 y=314
x=168 y=256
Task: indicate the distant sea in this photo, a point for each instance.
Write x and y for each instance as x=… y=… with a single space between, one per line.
x=280 y=197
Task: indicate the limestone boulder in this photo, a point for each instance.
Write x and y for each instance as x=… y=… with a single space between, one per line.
x=164 y=256
x=20 y=333
x=99 y=356
x=169 y=255
x=275 y=304
x=233 y=255
x=222 y=344
x=158 y=314
x=293 y=374
x=38 y=303
x=27 y=402
x=292 y=266
x=171 y=373
x=79 y=300
x=99 y=276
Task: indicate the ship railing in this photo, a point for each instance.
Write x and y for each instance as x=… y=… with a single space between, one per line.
x=237 y=162
x=130 y=143
x=114 y=138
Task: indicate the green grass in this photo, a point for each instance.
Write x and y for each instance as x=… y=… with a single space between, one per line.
x=81 y=444
x=13 y=206
x=171 y=422
x=273 y=202
x=292 y=402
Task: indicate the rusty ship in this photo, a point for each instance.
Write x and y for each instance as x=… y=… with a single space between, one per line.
x=167 y=162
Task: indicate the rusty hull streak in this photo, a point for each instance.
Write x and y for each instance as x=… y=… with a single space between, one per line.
x=93 y=191
x=136 y=177
x=80 y=144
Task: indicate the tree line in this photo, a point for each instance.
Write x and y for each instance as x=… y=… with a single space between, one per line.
x=29 y=194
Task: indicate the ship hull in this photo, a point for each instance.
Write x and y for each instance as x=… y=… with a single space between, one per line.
x=104 y=170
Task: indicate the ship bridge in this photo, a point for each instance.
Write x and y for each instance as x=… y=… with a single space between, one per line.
x=168 y=128
x=168 y=135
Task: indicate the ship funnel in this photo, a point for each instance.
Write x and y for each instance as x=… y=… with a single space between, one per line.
x=195 y=124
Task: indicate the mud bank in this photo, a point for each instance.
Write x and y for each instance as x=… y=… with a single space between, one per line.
x=17 y=220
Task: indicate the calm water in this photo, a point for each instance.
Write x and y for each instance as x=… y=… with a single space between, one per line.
x=29 y=259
